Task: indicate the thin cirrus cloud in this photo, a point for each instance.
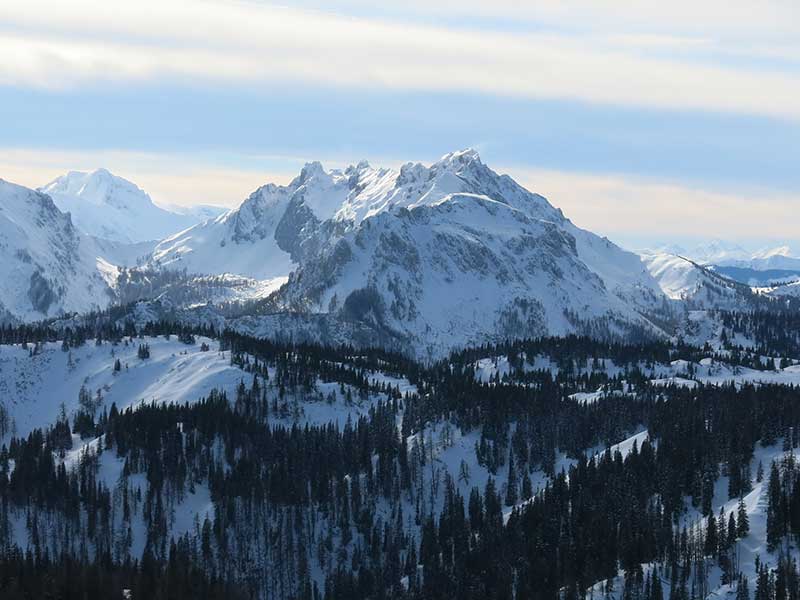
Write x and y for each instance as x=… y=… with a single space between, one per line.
x=638 y=211
x=78 y=43
x=710 y=17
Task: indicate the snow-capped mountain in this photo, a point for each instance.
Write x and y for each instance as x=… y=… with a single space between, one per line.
x=112 y=208
x=781 y=257
x=241 y=242
x=718 y=252
x=423 y=258
x=769 y=258
x=699 y=286
x=437 y=256
x=727 y=254
x=46 y=265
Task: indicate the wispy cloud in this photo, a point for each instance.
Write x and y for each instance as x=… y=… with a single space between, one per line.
x=714 y=18
x=81 y=42
x=625 y=207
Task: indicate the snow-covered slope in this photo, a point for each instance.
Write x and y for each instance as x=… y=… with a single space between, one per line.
x=40 y=382
x=790 y=289
x=38 y=379
x=112 y=208
x=677 y=276
x=240 y=242
x=47 y=267
x=683 y=279
x=123 y=254
x=437 y=256
x=34 y=386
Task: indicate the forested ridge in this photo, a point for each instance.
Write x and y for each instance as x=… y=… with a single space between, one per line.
x=538 y=505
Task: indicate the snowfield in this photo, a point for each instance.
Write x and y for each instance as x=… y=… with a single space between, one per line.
x=34 y=387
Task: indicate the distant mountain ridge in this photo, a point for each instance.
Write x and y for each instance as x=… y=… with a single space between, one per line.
x=727 y=254
x=424 y=258
x=109 y=207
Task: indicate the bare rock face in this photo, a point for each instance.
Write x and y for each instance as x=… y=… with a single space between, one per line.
x=40 y=293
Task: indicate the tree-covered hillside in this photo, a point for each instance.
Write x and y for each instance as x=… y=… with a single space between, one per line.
x=178 y=462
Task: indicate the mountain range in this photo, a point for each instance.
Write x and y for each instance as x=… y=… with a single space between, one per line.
x=422 y=258
x=725 y=254
x=423 y=382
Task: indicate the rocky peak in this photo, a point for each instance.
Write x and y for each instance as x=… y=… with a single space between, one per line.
x=459 y=159
x=309 y=171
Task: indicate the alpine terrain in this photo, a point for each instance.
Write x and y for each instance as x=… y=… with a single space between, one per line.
x=398 y=384
x=429 y=257
x=109 y=207
x=48 y=267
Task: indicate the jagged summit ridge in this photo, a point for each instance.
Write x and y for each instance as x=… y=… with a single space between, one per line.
x=432 y=255
x=347 y=197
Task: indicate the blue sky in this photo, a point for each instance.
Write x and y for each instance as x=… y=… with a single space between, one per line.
x=650 y=124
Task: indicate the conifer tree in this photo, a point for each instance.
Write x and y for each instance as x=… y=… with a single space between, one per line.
x=743 y=589
x=527 y=487
x=775 y=521
x=733 y=530
x=656 y=591
x=712 y=539
x=742 y=520
x=511 y=489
